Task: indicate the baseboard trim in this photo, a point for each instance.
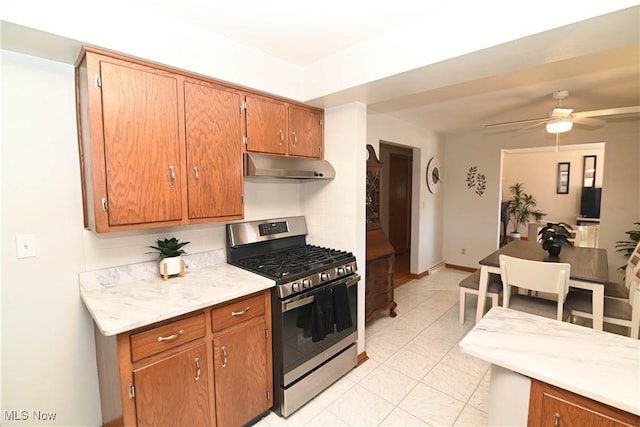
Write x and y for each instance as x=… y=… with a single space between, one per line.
x=362 y=357
x=460 y=267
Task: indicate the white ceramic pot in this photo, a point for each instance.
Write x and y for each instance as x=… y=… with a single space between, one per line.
x=515 y=236
x=173 y=265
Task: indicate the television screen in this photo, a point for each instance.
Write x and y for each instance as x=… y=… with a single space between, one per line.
x=590 y=202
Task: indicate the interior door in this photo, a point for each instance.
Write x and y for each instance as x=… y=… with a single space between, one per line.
x=399 y=203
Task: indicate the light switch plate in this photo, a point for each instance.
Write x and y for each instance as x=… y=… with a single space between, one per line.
x=25 y=245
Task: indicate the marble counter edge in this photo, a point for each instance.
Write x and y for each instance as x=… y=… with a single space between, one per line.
x=118 y=304
x=511 y=360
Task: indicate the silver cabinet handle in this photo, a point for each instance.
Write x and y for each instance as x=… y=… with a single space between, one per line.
x=240 y=313
x=173 y=176
x=556 y=420
x=197 y=362
x=195 y=171
x=295 y=139
x=281 y=137
x=224 y=356
x=171 y=337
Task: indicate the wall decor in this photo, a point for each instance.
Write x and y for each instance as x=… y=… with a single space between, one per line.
x=433 y=175
x=471 y=177
x=562 y=186
x=476 y=180
x=589 y=171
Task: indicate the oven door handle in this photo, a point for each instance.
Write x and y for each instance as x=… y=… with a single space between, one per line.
x=286 y=306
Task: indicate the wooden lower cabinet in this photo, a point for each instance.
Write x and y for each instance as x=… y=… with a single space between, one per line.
x=240 y=378
x=553 y=406
x=212 y=367
x=174 y=391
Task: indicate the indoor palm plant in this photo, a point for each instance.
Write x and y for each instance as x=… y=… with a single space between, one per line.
x=169 y=255
x=554 y=235
x=521 y=208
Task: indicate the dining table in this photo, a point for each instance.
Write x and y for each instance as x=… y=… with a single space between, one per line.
x=589 y=270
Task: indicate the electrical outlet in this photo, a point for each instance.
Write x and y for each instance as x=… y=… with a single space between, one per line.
x=25 y=245
x=463 y=251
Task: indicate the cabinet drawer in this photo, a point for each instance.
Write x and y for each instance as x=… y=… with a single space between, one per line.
x=237 y=312
x=167 y=336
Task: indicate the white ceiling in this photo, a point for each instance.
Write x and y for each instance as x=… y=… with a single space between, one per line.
x=606 y=76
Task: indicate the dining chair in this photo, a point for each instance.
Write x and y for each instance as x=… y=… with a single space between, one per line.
x=547 y=277
x=616 y=311
x=621 y=290
x=471 y=284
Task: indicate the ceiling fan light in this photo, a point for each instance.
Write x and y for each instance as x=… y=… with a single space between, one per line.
x=559 y=126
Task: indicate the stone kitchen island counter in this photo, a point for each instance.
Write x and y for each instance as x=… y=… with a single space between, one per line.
x=121 y=299
x=524 y=349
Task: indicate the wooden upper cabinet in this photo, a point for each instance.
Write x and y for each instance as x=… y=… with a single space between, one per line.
x=157 y=148
x=141 y=144
x=277 y=127
x=266 y=125
x=214 y=151
x=305 y=132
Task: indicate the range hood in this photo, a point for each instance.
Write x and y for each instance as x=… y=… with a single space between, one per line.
x=274 y=166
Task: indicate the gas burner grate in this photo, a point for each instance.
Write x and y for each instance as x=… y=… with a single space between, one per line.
x=291 y=262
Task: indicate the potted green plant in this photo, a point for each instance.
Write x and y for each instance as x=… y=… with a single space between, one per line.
x=521 y=208
x=169 y=255
x=554 y=235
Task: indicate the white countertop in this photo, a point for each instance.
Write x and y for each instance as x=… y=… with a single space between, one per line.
x=599 y=365
x=126 y=305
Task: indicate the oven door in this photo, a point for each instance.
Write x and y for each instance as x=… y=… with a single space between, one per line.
x=300 y=353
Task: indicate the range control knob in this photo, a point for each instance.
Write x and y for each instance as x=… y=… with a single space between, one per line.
x=295 y=287
x=340 y=271
x=349 y=269
x=324 y=277
x=306 y=283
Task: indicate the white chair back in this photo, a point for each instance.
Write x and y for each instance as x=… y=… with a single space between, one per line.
x=632 y=263
x=547 y=277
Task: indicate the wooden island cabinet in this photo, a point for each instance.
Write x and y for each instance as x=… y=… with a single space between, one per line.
x=212 y=367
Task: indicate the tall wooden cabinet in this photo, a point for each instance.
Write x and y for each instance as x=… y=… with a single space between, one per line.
x=380 y=253
x=157 y=148
x=206 y=368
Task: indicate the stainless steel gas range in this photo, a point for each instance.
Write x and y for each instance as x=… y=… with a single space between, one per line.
x=314 y=305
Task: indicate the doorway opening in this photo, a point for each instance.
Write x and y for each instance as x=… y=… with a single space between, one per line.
x=396 y=206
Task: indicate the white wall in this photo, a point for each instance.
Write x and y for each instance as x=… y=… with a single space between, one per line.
x=426 y=212
x=335 y=209
x=472 y=222
x=538 y=172
x=48 y=356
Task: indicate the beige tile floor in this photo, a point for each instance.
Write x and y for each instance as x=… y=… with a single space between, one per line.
x=416 y=375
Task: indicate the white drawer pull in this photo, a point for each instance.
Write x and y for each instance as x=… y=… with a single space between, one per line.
x=171 y=337
x=240 y=313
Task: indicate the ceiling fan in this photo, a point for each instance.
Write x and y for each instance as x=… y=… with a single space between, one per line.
x=561 y=119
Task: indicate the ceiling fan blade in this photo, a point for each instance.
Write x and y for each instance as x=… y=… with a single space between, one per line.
x=516 y=123
x=609 y=112
x=588 y=121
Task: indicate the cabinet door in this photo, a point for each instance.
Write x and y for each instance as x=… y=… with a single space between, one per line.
x=214 y=151
x=549 y=405
x=305 y=132
x=266 y=125
x=174 y=391
x=240 y=359
x=141 y=144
